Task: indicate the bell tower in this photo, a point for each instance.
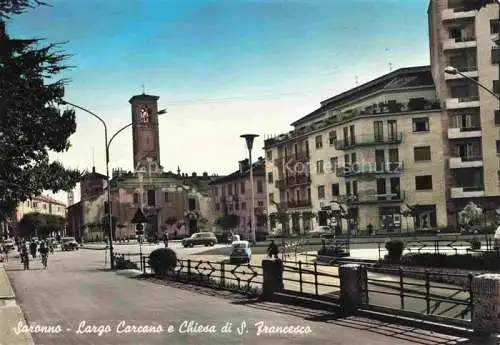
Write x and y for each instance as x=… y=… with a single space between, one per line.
x=145 y=132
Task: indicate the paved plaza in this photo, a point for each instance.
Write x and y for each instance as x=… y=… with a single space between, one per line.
x=75 y=288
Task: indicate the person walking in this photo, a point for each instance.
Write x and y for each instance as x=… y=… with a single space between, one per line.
x=6 y=252
x=44 y=252
x=165 y=239
x=25 y=258
x=33 y=246
x=272 y=250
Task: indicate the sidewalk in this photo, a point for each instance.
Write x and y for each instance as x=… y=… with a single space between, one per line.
x=11 y=315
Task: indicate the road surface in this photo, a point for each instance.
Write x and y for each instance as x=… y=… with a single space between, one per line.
x=84 y=304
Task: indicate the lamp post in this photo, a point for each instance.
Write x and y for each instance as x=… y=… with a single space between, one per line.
x=107 y=145
x=249 y=138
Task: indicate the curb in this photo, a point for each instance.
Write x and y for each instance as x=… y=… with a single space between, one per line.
x=132 y=273
x=9 y=293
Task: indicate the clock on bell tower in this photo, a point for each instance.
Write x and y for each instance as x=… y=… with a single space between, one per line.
x=145 y=132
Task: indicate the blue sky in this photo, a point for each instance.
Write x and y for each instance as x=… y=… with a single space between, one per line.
x=220 y=67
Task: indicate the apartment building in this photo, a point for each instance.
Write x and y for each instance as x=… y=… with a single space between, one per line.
x=373 y=151
x=465 y=40
x=40 y=204
x=231 y=194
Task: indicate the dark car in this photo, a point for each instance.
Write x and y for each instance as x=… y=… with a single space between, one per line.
x=200 y=238
x=69 y=243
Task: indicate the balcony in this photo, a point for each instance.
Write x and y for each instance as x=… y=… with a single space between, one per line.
x=369 y=140
x=466 y=162
x=301 y=157
x=372 y=168
x=365 y=198
x=464 y=132
x=462 y=102
x=295 y=204
x=456 y=13
x=469 y=71
x=467 y=192
x=293 y=181
x=459 y=43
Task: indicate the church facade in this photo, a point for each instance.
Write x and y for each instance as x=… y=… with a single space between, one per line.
x=176 y=203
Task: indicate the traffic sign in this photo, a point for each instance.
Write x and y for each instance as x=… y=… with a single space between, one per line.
x=139 y=217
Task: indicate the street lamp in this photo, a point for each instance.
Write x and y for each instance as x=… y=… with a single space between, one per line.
x=454 y=71
x=249 y=138
x=106 y=145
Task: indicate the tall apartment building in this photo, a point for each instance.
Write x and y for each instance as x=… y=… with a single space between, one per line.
x=374 y=150
x=470 y=117
x=231 y=194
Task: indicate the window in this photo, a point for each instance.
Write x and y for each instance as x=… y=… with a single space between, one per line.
x=355 y=187
x=422 y=153
x=334 y=162
x=495 y=55
x=498 y=146
x=332 y=137
x=494 y=26
x=166 y=196
x=106 y=207
x=297 y=195
x=353 y=135
x=269 y=155
x=271 y=197
x=321 y=192
x=243 y=205
x=260 y=203
x=348 y=188
x=497 y=117
x=136 y=198
x=236 y=206
x=319 y=142
x=392 y=129
x=230 y=189
x=242 y=187
x=270 y=177
x=260 y=188
x=378 y=130
x=423 y=182
x=335 y=189
x=496 y=86
x=421 y=124
x=319 y=167
x=346 y=160
x=151 y=197
x=192 y=204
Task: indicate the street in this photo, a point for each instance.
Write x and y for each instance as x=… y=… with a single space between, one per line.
x=85 y=304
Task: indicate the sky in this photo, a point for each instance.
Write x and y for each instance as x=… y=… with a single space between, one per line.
x=221 y=68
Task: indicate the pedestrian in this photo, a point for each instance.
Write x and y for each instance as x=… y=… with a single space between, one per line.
x=165 y=239
x=6 y=252
x=44 y=251
x=33 y=246
x=273 y=250
x=25 y=258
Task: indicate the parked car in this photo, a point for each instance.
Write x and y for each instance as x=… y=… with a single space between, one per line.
x=9 y=244
x=241 y=252
x=200 y=238
x=69 y=243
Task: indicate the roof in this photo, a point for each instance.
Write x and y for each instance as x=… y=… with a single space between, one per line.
x=400 y=78
x=259 y=169
x=48 y=199
x=143 y=97
x=94 y=175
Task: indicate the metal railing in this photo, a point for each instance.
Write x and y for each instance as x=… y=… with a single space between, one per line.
x=418 y=294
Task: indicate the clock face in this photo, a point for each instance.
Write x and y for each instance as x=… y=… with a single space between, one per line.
x=144 y=113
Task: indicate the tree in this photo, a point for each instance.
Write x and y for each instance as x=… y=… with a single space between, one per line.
x=470 y=217
x=230 y=221
x=41 y=225
x=282 y=217
x=31 y=124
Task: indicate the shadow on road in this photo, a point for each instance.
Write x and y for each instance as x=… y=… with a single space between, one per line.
x=415 y=335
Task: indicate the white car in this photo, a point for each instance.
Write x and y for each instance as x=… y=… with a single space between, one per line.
x=240 y=252
x=9 y=244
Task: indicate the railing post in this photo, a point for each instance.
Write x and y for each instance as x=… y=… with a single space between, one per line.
x=140 y=262
x=143 y=263
x=378 y=244
x=427 y=292
x=471 y=304
x=300 y=275
x=315 y=278
x=401 y=288
x=222 y=274
x=189 y=270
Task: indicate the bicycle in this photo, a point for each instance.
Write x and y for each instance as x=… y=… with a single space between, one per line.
x=44 y=260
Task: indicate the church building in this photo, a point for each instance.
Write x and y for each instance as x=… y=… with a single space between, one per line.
x=176 y=203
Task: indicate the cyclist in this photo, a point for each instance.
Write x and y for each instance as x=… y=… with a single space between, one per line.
x=44 y=251
x=25 y=258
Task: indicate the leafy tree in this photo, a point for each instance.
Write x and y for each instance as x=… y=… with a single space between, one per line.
x=470 y=217
x=31 y=124
x=42 y=225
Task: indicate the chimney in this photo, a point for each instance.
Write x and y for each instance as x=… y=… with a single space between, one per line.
x=93 y=170
x=243 y=165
